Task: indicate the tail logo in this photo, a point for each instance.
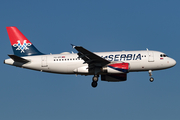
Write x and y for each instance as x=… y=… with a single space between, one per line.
x=22 y=47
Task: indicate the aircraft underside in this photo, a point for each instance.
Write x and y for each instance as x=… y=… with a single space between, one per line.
x=111 y=66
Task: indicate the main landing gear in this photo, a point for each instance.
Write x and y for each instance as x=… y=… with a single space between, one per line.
x=94 y=81
x=150 y=74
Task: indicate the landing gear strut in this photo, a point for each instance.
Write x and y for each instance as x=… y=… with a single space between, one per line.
x=150 y=74
x=95 y=80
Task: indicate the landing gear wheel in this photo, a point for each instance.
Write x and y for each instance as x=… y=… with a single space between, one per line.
x=151 y=79
x=94 y=81
x=150 y=74
x=95 y=78
x=94 y=84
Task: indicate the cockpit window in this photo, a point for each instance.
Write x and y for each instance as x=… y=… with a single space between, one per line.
x=163 y=55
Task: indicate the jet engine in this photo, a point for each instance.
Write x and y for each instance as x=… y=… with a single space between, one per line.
x=114 y=77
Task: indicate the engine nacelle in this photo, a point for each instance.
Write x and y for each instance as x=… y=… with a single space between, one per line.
x=114 y=77
x=116 y=68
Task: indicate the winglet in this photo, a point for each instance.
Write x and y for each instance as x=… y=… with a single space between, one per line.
x=73 y=46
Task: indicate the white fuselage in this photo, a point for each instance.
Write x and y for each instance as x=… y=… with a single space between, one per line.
x=71 y=64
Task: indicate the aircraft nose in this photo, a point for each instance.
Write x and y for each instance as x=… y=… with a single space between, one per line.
x=173 y=62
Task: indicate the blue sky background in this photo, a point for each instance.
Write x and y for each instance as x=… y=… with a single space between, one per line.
x=98 y=25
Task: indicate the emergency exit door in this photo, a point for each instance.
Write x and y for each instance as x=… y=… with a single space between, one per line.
x=150 y=56
x=44 y=61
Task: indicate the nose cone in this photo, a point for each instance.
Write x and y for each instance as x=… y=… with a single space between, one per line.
x=172 y=62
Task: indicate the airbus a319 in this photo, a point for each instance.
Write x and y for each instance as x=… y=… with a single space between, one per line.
x=111 y=66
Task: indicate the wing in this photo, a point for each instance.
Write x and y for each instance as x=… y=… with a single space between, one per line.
x=90 y=58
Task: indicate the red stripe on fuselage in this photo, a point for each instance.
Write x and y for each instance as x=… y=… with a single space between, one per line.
x=120 y=65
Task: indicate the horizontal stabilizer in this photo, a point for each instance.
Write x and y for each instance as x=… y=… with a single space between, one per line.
x=18 y=59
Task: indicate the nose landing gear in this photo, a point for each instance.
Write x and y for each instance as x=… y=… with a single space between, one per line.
x=150 y=74
x=95 y=80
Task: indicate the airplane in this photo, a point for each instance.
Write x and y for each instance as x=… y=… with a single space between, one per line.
x=111 y=66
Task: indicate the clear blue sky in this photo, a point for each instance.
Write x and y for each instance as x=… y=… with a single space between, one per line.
x=98 y=25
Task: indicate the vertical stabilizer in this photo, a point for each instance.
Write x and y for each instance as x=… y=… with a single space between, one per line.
x=20 y=44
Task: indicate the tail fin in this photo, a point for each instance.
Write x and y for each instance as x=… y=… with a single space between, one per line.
x=20 y=44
